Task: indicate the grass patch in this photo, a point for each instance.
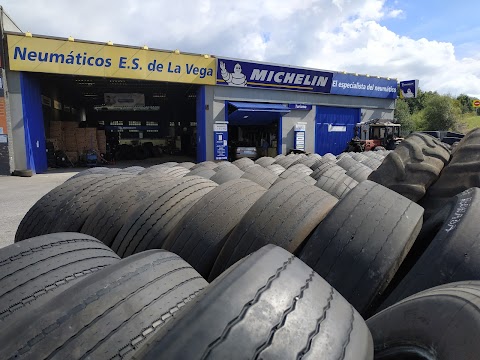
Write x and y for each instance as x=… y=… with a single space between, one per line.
x=472 y=120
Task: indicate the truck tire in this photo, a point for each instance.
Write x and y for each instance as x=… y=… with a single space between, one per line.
x=243 y=163
x=284 y=216
x=223 y=165
x=336 y=183
x=361 y=243
x=330 y=168
x=227 y=174
x=372 y=163
x=347 y=162
x=440 y=323
x=305 y=160
x=300 y=172
x=36 y=270
x=109 y=313
x=329 y=156
x=41 y=215
x=460 y=174
x=205 y=164
x=151 y=223
x=413 y=166
x=359 y=172
x=115 y=208
x=133 y=169
x=269 y=305
x=187 y=164
x=358 y=156
x=447 y=248
x=71 y=215
x=23 y=173
x=95 y=170
x=287 y=160
x=200 y=235
x=172 y=171
x=263 y=177
x=276 y=169
x=265 y=161
x=204 y=172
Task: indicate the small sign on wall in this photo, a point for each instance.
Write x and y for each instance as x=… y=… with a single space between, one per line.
x=220 y=141
x=336 y=128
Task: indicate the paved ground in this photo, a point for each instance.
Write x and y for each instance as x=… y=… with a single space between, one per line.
x=18 y=194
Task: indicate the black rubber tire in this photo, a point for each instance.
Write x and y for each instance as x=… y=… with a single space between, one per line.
x=133 y=169
x=284 y=216
x=329 y=156
x=372 y=163
x=187 y=165
x=116 y=207
x=205 y=164
x=326 y=166
x=314 y=156
x=204 y=172
x=108 y=314
x=243 y=163
x=23 y=173
x=319 y=162
x=224 y=164
x=265 y=161
x=359 y=172
x=347 y=162
x=358 y=156
x=270 y=305
x=276 y=169
x=359 y=246
x=258 y=174
x=154 y=219
x=200 y=235
x=37 y=269
x=279 y=156
x=72 y=214
x=446 y=250
x=379 y=148
x=462 y=173
x=226 y=174
x=342 y=155
x=172 y=171
x=41 y=215
x=304 y=160
x=298 y=171
x=440 y=323
x=336 y=183
x=413 y=166
x=287 y=160
x=95 y=170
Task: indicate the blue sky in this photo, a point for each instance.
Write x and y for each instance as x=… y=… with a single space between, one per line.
x=457 y=22
x=433 y=41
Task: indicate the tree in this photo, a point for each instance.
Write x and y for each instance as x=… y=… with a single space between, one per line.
x=403 y=116
x=466 y=103
x=440 y=113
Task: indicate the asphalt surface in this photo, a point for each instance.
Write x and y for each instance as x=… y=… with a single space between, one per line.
x=18 y=194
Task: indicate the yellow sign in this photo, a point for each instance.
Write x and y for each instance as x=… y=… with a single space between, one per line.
x=476 y=103
x=80 y=58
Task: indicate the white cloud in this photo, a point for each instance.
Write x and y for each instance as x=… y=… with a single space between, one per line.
x=326 y=34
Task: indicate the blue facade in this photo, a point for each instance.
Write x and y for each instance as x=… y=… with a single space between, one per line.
x=201 y=125
x=33 y=124
x=334 y=128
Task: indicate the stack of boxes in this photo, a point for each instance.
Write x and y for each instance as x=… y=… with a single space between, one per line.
x=56 y=135
x=102 y=141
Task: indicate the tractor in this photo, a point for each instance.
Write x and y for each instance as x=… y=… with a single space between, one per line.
x=375 y=134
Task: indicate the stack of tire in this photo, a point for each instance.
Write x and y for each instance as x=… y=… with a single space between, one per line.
x=256 y=265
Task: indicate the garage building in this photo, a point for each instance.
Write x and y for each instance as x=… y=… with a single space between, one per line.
x=105 y=103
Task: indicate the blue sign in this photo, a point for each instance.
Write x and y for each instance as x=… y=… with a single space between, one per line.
x=408 y=89
x=256 y=75
x=300 y=107
x=220 y=142
x=360 y=85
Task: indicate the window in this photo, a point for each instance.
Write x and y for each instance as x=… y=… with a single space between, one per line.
x=116 y=123
x=151 y=123
x=134 y=123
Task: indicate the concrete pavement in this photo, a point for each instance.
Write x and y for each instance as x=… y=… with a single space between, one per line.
x=18 y=194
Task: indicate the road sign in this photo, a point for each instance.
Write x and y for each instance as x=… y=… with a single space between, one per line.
x=476 y=103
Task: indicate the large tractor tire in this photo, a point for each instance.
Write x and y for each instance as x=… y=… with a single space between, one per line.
x=413 y=166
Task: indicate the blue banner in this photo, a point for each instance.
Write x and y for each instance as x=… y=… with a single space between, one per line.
x=360 y=85
x=256 y=75
x=220 y=141
x=408 y=89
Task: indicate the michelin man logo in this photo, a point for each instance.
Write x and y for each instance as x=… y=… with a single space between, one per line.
x=237 y=78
